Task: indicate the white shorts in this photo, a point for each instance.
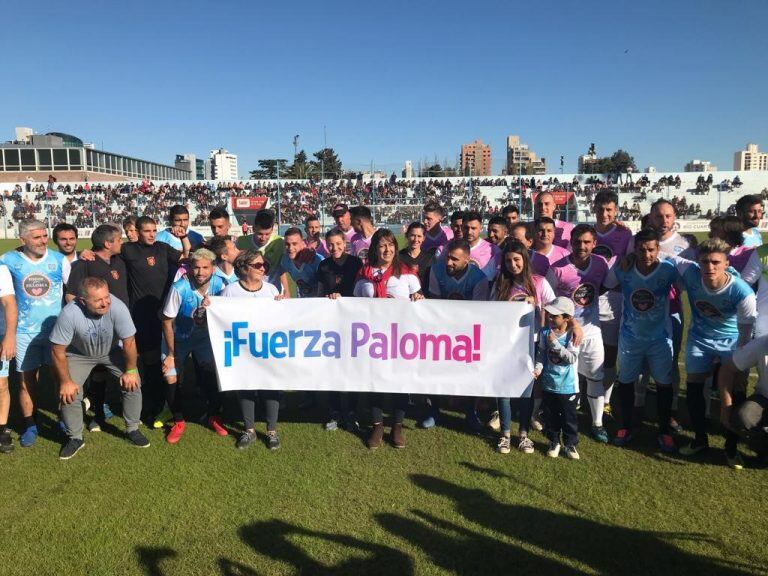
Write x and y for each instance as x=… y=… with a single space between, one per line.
x=754 y=353
x=591 y=357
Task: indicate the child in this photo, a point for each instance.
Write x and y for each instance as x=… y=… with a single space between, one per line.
x=556 y=369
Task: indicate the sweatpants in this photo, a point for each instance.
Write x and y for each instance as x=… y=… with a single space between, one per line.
x=271 y=405
x=560 y=417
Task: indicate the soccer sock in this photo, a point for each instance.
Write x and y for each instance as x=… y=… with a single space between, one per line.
x=536 y=407
x=695 y=401
x=609 y=377
x=626 y=397
x=641 y=387
x=596 y=400
x=664 y=407
x=29 y=421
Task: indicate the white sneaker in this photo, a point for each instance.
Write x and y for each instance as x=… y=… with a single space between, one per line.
x=537 y=425
x=571 y=453
x=554 y=450
x=495 y=422
x=526 y=445
x=503 y=446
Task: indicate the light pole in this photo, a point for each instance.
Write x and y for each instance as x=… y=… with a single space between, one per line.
x=277 y=165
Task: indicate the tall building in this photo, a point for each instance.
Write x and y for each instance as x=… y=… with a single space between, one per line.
x=223 y=165
x=700 y=166
x=476 y=159
x=587 y=163
x=750 y=159
x=408 y=170
x=187 y=162
x=522 y=160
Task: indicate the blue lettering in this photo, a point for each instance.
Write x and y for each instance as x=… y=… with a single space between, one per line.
x=278 y=340
x=309 y=351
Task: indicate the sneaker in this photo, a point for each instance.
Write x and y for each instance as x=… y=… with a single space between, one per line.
x=694 y=448
x=495 y=422
x=675 y=426
x=332 y=425
x=503 y=447
x=554 y=450
x=429 y=422
x=138 y=439
x=667 y=443
x=273 y=440
x=734 y=461
x=177 y=431
x=537 y=425
x=571 y=453
x=215 y=423
x=162 y=418
x=526 y=445
x=6 y=442
x=29 y=437
x=351 y=424
x=623 y=437
x=473 y=422
x=95 y=425
x=245 y=440
x=71 y=448
x=398 y=439
x=376 y=438
x=600 y=434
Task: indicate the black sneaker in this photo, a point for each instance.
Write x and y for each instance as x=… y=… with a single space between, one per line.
x=245 y=440
x=71 y=448
x=273 y=440
x=697 y=446
x=6 y=442
x=138 y=439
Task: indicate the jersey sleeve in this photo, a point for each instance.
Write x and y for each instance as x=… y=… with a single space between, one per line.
x=172 y=303
x=746 y=309
x=752 y=270
x=124 y=327
x=172 y=255
x=6 y=282
x=64 y=329
x=547 y=294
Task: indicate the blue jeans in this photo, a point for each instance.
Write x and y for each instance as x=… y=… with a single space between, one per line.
x=525 y=412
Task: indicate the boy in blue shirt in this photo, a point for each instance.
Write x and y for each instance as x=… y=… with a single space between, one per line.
x=556 y=357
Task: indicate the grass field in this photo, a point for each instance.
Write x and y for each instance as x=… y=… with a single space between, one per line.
x=324 y=504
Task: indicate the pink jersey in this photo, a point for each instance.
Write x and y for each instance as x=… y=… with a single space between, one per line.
x=739 y=257
x=360 y=246
x=348 y=236
x=539 y=263
x=613 y=243
x=544 y=295
x=440 y=240
x=563 y=233
x=486 y=256
x=581 y=286
x=556 y=253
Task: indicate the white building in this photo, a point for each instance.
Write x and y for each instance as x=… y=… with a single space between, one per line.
x=223 y=165
x=750 y=159
x=408 y=170
x=700 y=166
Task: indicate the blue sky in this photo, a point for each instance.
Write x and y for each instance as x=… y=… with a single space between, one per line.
x=391 y=81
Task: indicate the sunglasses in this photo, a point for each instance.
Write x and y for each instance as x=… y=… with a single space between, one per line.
x=256 y=265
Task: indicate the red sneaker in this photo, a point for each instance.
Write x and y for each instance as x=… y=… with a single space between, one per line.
x=177 y=431
x=215 y=423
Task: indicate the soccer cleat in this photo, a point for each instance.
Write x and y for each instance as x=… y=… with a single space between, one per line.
x=526 y=445
x=495 y=422
x=734 y=460
x=95 y=425
x=6 y=442
x=245 y=440
x=667 y=444
x=137 y=439
x=376 y=438
x=215 y=423
x=398 y=439
x=71 y=448
x=162 y=418
x=429 y=422
x=571 y=453
x=623 y=437
x=503 y=447
x=273 y=440
x=177 y=431
x=694 y=448
x=600 y=434
x=29 y=437
x=554 y=449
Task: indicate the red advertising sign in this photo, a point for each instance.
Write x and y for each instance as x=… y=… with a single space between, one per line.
x=560 y=197
x=249 y=204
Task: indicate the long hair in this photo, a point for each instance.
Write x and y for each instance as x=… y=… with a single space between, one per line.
x=506 y=279
x=373 y=251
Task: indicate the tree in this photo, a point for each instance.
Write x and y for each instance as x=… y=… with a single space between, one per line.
x=326 y=163
x=300 y=168
x=623 y=162
x=268 y=169
x=438 y=171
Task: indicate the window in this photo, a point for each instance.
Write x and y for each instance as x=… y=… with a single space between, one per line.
x=44 y=159
x=75 y=161
x=60 y=158
x=28 y=160
x=12 y=159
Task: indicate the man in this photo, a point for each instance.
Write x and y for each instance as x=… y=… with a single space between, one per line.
x=65 y=238
x=185 y=333
x=178 y=217
x=314 y=239
x=511 y=214
x=521 y=231
x=498 y=230
x=645 y=338
x=269 y=243
x=85 y=336
x=8 y=320
x=343 y=219
x=453 y=278
x=457 y=220
x=436 y=235
x=612 y=243
x=303 y=273
x=545 y=206
x=482 y=253
x=151 y=266
x=226 y=251
x=544 y=238
x=749 y=209
x=362 y=222
x=129 y=227
x=580 y=276
x=218 y=220
x=38 y=276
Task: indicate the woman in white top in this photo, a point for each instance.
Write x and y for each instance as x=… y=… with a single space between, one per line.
x=385 y=276
x=250 y=268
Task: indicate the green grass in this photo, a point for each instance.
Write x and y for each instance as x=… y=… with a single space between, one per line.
x=325 y=504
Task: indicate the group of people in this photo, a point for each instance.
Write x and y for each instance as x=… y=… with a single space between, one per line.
x=607 y=307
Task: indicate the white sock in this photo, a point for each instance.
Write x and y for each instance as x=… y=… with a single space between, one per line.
x=597 y=404
x=609 y=378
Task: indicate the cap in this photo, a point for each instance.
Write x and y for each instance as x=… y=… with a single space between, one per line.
x=340 y=210
x=560 y=305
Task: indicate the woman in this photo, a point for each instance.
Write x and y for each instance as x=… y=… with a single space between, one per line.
x=385 y=276
x=336 y=276
x=250 y=268
x=418 y=260
x=517 y=283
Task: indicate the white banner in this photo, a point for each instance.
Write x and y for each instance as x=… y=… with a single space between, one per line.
x=373 y=345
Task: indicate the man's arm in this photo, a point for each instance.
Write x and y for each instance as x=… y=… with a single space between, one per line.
x=67 y=388
x=170 y=343
x=130 y=378
x=8 y=346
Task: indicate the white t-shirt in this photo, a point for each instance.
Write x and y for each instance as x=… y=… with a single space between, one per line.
x=236 y=290
x=401 y=288
x=6 y=289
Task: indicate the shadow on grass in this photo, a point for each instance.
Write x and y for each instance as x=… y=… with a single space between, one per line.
x=150 y=559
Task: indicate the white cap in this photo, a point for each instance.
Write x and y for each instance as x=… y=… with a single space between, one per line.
x=560 y=305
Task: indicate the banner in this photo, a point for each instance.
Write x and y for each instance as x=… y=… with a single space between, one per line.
x=373 y=345
x=249 y=204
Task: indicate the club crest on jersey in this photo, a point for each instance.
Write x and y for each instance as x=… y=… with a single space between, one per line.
x=642 y=300
x=707 y=309
x=584 y=295
x=363 y=254
x=36 y=285
x=603 y=250
x=151 y=260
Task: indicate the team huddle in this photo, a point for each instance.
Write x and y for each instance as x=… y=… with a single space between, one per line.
x=607 y=303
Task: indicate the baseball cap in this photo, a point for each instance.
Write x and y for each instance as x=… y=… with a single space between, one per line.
x=340 y=210
x=560 y=305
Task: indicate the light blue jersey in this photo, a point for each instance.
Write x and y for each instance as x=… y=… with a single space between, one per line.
x=304 y=277
x=645 y=312
x=557 y=363
x=39 y=287
x=227 y=279
x=165 y=236
x=190 y=316
x=466 y=287
x=752 y=238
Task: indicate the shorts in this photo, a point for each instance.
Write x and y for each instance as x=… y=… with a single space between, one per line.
x=700 y=354
x=591 y=357
x=198 y=344
x=754 y=353
x=653 y=356
x=32 y=351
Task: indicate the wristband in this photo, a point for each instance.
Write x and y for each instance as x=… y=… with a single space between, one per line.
x=132 y=371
